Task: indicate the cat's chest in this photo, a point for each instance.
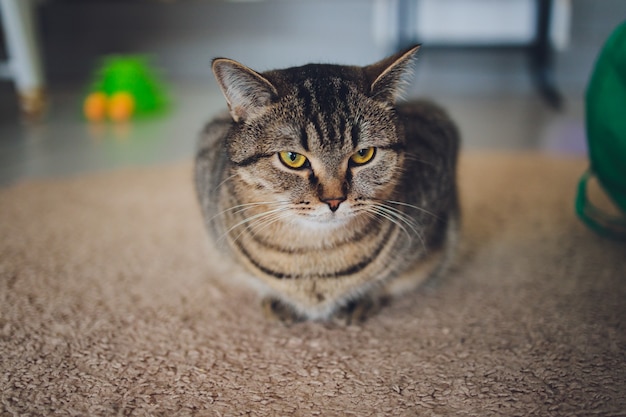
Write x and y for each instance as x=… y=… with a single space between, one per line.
x=287 y=251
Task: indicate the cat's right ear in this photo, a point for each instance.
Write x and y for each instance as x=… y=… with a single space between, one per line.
x=388 y=76
x=247 y=92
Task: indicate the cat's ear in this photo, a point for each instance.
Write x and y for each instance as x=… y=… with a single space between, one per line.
x=386 y=77
x=247 y=92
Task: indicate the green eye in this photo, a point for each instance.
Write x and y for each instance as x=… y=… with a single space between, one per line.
x=292 y=160
x=363 y=156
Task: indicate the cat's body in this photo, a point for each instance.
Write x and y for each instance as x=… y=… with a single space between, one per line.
x=330 y=194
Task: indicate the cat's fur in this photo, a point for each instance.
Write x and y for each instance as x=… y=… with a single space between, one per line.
x=332 y=237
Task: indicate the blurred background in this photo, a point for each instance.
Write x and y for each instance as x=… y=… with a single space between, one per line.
x=512 y=73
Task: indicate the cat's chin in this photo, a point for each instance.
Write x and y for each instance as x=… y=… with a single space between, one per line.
x=324 y=220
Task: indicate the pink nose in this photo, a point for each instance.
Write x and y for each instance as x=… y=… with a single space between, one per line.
x=333 y=203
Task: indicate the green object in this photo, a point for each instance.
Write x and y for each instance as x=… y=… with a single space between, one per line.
x=606 y=137
x=131 y=74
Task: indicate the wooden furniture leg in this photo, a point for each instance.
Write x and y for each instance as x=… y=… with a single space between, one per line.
x=24 y=58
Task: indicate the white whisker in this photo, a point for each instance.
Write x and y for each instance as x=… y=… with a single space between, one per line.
x=392 y=217
x=403 y=221
x=264 y=221
x=400 y=214
x=400 y=203
x=243 y=207
x=413 y=157
x=406 y=219
x=263 y=224
x=251 y=219
x=224 y=182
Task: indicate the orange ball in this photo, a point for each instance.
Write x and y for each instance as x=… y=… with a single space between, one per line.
x=95 y=107
x=121 y=106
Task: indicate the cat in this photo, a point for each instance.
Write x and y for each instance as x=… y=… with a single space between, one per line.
x=333 y=195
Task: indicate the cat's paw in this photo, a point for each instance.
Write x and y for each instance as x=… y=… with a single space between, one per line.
x=274 y=309
x=359 y=310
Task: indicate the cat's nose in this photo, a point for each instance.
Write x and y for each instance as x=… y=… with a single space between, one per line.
x=333 y=203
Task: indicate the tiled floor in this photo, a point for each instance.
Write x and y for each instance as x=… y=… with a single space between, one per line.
x=64 y=144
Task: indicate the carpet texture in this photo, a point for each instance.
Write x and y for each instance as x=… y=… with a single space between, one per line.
x=113 y=303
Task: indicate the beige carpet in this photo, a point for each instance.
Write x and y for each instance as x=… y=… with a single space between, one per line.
x=110 y=305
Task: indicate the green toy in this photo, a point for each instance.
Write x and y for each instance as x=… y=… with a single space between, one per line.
x=124 y=87
x=606 y=137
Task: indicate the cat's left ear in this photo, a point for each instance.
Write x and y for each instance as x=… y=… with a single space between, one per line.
x=387 y=76
x=247 y=92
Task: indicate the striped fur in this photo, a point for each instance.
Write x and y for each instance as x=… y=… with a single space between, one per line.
x=331 y=233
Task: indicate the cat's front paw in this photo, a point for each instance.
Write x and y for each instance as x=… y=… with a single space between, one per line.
x=353 y=313
x=275 y=309
x=359 y=310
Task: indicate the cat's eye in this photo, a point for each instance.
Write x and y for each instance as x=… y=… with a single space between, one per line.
x=292 y=160
x=363 y=156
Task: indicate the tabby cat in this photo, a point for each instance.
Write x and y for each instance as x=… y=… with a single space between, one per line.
x=332 y=195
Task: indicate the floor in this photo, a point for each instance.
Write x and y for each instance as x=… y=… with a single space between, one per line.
x=63 y=144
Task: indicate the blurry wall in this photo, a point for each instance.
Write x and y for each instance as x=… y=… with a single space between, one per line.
x=184 y=35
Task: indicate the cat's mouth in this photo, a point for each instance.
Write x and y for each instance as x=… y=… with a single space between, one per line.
x=324 y=217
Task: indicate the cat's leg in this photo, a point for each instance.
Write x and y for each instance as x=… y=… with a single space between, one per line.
x=274 y=309
x=359 y=310
x=354 y=312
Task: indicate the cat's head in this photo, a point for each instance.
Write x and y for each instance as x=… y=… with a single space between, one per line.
x=323 y=139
